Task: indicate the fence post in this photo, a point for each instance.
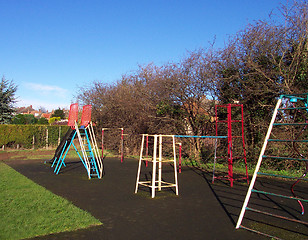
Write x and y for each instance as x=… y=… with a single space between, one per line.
x=33 y=141
x=59 y=138
x=46 y=137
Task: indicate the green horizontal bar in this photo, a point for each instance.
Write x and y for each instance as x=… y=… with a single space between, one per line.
x=189 y=136
x=298 y=95
x=278 y=195
x=286 y=140
x=292 y=108
x=282 y=176
x=299 y=124
x=285 y=158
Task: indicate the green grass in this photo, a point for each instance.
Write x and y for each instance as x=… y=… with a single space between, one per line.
x=240 y=169
x=28 y=210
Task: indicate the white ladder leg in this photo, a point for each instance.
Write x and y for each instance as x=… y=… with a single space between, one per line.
x=139 y=166
x=154 y=166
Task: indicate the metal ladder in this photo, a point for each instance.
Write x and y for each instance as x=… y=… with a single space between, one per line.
x=281 y=118
x=231 y=124
x=91 y=159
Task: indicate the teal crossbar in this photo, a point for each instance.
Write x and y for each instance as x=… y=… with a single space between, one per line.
x=278 y=195
x=281 y=176
x=285 y=158
x=189 y=136
x=286 y=140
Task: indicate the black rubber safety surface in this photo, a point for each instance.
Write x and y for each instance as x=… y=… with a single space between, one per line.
x=201 y=211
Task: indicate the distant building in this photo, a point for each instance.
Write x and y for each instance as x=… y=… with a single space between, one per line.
x=46 y=115
x=35 y=113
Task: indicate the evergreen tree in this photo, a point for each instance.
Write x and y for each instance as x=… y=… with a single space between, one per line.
x=7 y=100
x=58 y=113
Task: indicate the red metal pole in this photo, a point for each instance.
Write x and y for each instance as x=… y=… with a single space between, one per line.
x=180 y=157
x=230 y=159
x=102 y=143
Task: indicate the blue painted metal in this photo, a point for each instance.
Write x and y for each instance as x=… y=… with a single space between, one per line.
x=285 y=158
x=61 y=160
x=64 y=151
x=279 y=195
x=281 y=176
x=189 y=136
x=93 y=165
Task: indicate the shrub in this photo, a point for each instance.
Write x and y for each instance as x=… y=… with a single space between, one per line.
x=28 y=136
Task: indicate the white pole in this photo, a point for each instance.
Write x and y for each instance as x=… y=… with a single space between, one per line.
x=160 y=161
x=139 y=167
x=258 y=165
x=174 y=165
x=215 y=158
x=154 y=166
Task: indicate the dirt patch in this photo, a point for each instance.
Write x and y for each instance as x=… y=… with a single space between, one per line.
x=7 y=155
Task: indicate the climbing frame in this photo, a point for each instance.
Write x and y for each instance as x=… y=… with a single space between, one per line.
x=290 y=116
x=157 y=159
x=232 y=125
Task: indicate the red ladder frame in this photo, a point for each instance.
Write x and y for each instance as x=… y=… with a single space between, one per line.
x=230 y=138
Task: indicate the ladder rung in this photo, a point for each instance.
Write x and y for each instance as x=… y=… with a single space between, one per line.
x=285 y=158
x=277 y=216
x=282 y=176
x=295 y=124
x=279 y=195
x=292 y=108
x=258 y=232
x=286 y=140
x=157 y=160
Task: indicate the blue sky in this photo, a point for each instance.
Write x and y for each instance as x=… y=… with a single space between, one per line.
x=50 y=48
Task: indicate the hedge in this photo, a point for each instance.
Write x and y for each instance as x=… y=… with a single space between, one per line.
x=31 y=136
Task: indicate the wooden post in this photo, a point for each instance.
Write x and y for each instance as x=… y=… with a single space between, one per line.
x=59 y=138
x=46 y=138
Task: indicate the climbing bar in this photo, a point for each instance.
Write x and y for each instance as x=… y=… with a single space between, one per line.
x=292 y=124
x=286 y=140
x=292 y=108
x=278 y=195
x=189 y=136
x=281 y=176
x=258 y=232
x=232 y=105
x=277 y=216
x=151 y=160
x=297 y=96
x=285 y=158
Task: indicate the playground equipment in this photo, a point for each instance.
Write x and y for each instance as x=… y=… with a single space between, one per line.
x=121 y=143
x=89 y=156
x=290 y=115
x=154 y=184
x=231 y=124
x=159 y=183
x=147 y=152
